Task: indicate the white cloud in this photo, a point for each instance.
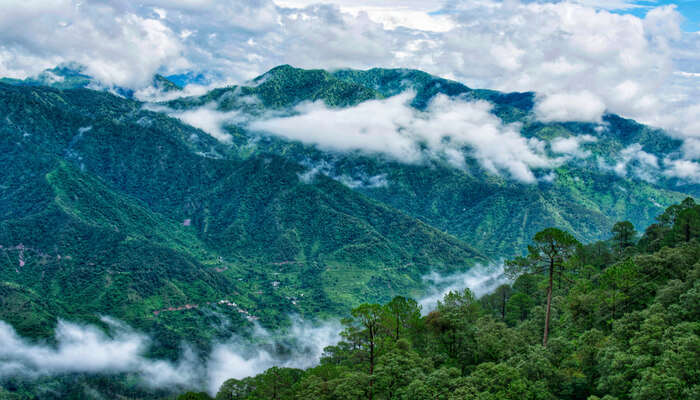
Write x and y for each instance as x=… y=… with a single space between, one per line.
x=419 y=15
x=392 y=128
x=635 y=161
x=356 y=180
x=208 y=119
x=691 y=149
x=580 y=58
x=572 y=145
x=683 y=169
x=582 y=106
x=117 y=47
x=87 y=349
x=236 y=359
x=480 y=280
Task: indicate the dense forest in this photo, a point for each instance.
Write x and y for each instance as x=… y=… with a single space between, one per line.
x=615 y=319
x=114 y=207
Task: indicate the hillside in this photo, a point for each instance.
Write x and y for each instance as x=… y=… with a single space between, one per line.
x=190 y=222
x=468 y=203
x=138 y=212
x=624 y=325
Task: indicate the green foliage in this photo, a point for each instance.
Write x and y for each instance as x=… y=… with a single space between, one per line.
x=623 y=234
x=108 y=208
x=273 y=384
x=627 y=329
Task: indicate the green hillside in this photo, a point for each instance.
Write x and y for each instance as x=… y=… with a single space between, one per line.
x=494 y=214
x=624 y=325
x=110 y=206
x=113 y=210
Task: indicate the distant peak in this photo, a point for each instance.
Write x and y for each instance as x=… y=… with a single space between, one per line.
x=164 y=84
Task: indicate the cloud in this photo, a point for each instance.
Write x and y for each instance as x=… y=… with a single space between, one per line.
x=572 y=145
x=683 y=169
x=691 y=149
x=419 y=15
x=447 y=129
x=480 y=280
x=581 y=58
x=581 y=106
x=635 y=161
x=116 y=46
x=87 y=349
x=236 y=359
x=355 y=180
x=364 y=182
x=208 y=119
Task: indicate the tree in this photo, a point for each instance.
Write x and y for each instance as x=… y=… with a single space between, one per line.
x=401 y=314
x=668 y=218
x=367 y=318
x=623 y=234
x=687 y=225
x=396 y=369
x=551 y=250
x=194 y=396
x=453 y=323
x=518 y=308
x=234 y=389
x=496 y=302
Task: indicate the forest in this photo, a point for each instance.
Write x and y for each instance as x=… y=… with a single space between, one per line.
x=615 y=320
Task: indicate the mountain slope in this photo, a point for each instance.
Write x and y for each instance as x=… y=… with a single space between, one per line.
x=495 y=214
x=111 y=209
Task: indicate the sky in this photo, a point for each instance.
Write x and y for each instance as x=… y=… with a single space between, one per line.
x=639 y=59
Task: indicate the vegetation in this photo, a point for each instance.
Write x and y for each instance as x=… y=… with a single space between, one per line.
x=626 y=326
x=106 y=208
x=109 y=208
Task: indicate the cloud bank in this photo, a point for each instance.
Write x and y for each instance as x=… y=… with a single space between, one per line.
x=448 y=129
x=88 y=349
x=236 y=359
x=583 y=57
x=480 y=280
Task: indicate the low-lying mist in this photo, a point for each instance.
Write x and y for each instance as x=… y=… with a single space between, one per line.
x=481 y=280
x=87 y=349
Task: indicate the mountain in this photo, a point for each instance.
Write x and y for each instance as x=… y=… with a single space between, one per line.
x=494 y=214
x=113 y=206
x=108 y=208
x=68 y=76
x=74 y=76
x=627 y=328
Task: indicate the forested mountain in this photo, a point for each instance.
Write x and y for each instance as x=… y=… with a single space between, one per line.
x=473 y=204
x=624 y=325
x=192 y=218
x=138 y=213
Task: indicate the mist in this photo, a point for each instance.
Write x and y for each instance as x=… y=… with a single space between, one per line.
x=80 y=348
x=237 y=359
x=450 y=129
x=480 y=280
x=88 y=349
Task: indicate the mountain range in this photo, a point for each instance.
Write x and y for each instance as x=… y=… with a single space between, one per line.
x=161 y=212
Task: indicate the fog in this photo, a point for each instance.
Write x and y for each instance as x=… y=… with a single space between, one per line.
x=302 y=348
x=480 y=280
x=450 y=129
x=88 y=349
x=81 y=348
